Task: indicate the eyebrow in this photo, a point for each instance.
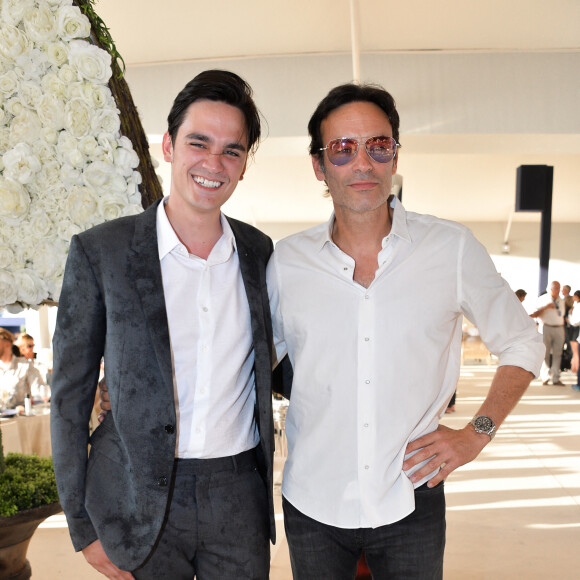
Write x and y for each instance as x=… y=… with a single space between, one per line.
x=206 y=139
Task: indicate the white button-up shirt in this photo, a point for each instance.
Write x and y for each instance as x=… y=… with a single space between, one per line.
x=211 y=345
x=374 y=368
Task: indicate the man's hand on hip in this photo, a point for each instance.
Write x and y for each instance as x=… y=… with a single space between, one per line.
x=447 y=450
x=96 y=557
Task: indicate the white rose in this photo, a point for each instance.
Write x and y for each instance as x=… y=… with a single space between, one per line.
x=126 y=160
x=111 y=207
x=81 y=205
x=48 y=262
x=88 y=146
x=40 y=23
x=106 y=120
x=25 y=127
x=92 y=63
x=32 y=65
x=108 y=145
x=67 y=74
x=57 y=53
x=48 y=179
x=98 y=174
x=52 y=84
x=13 y=42
x=70 y=176
x=9 y=83
x=31 y=289
x=118 y=184
x=13 y=11
x=77 y=117
x=46 y=152
x=49 y=134
x=65 y=230
x=20 y=164
x=14 y=201
x=8 y=293
x=40 y=224
x=30 y=94
x=50 y=111
x=14 y=105
x=6 y=256
x=100 y=96
x=72 y=23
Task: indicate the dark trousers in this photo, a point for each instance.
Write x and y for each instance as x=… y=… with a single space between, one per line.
x=410 y=549
x=217 y=527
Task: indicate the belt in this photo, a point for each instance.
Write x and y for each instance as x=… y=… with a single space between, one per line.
x=197 y=466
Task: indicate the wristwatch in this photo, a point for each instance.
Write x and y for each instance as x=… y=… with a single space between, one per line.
x=484 y=425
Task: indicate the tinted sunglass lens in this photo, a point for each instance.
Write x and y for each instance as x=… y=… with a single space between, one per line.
x=341 y=151
x=381 y=149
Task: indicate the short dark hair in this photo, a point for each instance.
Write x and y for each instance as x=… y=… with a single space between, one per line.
x=223 y=86
x=351 y=93
x=577 y=293
x=521 y=293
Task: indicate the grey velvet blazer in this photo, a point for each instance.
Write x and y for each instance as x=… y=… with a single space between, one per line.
x=112 y=305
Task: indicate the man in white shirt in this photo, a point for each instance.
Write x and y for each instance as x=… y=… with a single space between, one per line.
x=18 y=376
x=178 y=483
x=550 y=311
x=366 y=454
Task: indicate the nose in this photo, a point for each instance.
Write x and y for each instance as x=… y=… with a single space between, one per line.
x=362 y=161
x=213 y=162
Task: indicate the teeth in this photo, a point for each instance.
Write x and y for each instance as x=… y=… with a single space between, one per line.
x=206 y=182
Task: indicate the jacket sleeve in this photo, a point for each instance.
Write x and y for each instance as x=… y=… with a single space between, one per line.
x=78 y=347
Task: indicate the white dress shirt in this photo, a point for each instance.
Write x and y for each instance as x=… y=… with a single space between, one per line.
x=374 y=368
x=211 y=345
x=551 y=316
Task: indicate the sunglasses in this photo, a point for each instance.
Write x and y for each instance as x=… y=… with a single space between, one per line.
x=380 y=149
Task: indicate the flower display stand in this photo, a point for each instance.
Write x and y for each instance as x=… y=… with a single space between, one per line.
x=15 y=534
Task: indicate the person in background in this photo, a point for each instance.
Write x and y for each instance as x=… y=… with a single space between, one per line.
x=375 y=364
x=18 y=376
x=25 y=344
x=550 y=312
x=521 y=294
x=178 y=483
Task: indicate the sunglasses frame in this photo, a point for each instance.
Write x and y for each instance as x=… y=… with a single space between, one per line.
x=358 y=143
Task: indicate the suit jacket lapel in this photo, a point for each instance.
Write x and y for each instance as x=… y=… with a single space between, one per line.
x=146 y=272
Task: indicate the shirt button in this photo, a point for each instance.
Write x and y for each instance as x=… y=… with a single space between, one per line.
x=367 y=338
x=162 y=481
x=367 y=296
x=205 y=308
x=367 y=467
x=366 y=424
x=345 y=268
x=169 y=429
x=367 y=382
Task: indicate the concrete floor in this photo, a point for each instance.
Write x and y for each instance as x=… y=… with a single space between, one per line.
x=513 y=513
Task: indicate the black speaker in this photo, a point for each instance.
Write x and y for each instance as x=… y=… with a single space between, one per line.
x=534 y=187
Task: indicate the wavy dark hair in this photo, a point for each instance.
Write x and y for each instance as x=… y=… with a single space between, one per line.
x=218 y=85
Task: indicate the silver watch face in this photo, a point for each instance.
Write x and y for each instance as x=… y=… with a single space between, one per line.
x=483 y=424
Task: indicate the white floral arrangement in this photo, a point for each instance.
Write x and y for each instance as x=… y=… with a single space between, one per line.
x=64 y=166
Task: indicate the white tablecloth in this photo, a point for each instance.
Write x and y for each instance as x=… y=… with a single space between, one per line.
x=27 y=434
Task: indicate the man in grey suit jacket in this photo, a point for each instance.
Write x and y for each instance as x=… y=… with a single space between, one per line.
x=178 y=481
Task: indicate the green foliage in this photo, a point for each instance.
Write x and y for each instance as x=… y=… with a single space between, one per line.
x=27 y=482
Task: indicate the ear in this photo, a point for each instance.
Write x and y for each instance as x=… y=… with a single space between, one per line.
x=318 y=166
x=395 y=163
x=167 y=147
x=243 y=170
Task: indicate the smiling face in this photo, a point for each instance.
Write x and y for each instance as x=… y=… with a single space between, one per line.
x=208 y=158
x=362 y=185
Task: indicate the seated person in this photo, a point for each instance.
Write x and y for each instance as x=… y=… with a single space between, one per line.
x=18 y=377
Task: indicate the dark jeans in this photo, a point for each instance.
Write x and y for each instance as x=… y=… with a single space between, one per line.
x=217 y=527
x=410 y=549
